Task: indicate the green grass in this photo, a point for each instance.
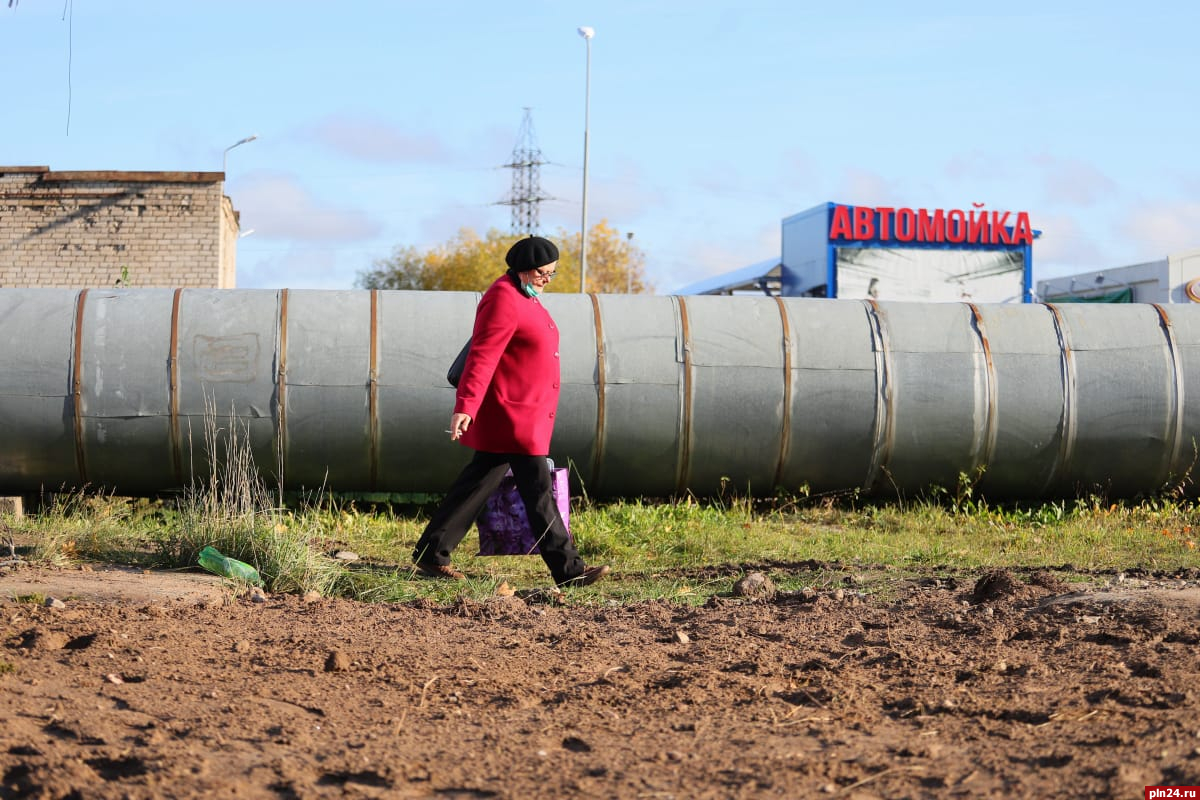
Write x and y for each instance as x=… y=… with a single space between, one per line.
x=683 y=549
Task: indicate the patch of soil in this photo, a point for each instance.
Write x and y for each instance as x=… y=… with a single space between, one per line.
x=995 y=584
x=935 y=691
x=111 y=583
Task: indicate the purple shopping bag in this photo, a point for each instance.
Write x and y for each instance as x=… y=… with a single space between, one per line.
x=503 y=526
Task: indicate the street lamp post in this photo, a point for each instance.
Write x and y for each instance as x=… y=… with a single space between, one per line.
x=629 y=263
x=225 y=155
x=587 y=34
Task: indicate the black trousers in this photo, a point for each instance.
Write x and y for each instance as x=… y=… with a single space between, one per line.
x=471 y=489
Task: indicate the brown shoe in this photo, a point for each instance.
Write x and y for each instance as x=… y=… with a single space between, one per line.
x=439 y=571
x=588 y=576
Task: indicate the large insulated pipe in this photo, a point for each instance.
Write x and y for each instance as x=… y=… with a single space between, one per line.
x=346 y=391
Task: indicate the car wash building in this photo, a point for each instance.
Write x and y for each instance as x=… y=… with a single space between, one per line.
x=1171 y=279
x=894 y=253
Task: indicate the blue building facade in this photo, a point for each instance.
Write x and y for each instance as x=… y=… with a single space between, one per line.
x=840 y=250
x=893 y=253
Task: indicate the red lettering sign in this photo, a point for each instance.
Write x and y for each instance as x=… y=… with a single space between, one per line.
x=863 y=223
x=839 y=226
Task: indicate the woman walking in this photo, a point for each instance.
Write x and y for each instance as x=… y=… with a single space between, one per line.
x=504 y=411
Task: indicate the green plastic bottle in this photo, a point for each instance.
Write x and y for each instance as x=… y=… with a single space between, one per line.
x=213 y=561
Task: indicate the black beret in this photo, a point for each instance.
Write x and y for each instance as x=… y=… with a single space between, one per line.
x=531 y=253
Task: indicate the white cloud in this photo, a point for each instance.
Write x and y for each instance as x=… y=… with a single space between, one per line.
x=976 y=167
x=1163 y=228
x=443 y=225
x=625 y=198
x=1190 y=181
x=275 y=205
x=869 y=189
x=1064 y=244
x=377 y=140
x=296 y=268
x=706 y=257
x=720 y=178
x=1073 y=182
x=622 y=198
x=800 y=169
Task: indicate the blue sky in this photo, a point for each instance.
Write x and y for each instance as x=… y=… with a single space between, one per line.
x=385 y=124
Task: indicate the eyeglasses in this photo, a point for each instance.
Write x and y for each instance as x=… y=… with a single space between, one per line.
x=545 y=275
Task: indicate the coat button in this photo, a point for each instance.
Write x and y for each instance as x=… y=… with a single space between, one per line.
x=556 y=384
x=556 y=354
x=551 y=415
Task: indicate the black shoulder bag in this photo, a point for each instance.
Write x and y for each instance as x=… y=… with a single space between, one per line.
x=460 y=362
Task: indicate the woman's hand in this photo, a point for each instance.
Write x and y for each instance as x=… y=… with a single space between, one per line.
x=458 y=426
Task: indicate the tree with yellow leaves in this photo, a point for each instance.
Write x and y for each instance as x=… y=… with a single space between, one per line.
x=470 y=263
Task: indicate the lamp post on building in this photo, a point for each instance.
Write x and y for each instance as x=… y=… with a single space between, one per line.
x=587 y=34
x=239 y=143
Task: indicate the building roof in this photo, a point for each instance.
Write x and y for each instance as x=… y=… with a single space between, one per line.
x=114 y=176
x=762 y=277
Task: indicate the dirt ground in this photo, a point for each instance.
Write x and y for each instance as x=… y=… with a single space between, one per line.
x=998 y=685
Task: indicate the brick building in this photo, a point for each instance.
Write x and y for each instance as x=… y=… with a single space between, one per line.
x=93 y=229
x=88 y=229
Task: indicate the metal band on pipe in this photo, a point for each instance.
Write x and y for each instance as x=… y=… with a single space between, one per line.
x=685 y=421
x=173 y=391
x=373 y=391
x=77 y=390
x=601 y=433
x=1066 y=441
x=281 y=389
x=985 y=453
x=785 y=419
x=883 y=429
x=1175 y=426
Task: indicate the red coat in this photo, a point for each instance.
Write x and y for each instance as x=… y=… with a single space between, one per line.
x=510 y=383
